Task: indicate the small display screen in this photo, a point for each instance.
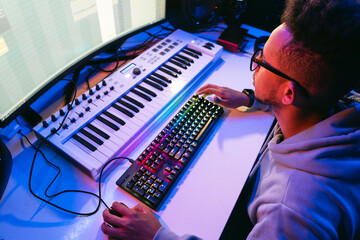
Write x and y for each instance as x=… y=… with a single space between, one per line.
x=125 y=70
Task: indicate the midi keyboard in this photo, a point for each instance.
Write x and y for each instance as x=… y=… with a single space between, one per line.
x=112 y=118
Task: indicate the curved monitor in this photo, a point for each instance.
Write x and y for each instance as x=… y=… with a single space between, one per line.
x=41 y=39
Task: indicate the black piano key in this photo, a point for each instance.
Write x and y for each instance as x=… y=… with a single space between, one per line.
x=183 y=61
x=185 y=58
x=140 y=94
x=123 y=110
x=134 y=101
x=144 y=89
x=178 y=64
x=115 y=118
x=162 y=77
x=168 y=72
x=172 y=69
x=84 y=142
x=194 y=51
x=98 y=131
x=108 y=123
x=164 y=84
x=128 y=105
x=190 y=53
x=153 y=84
x=92 y=137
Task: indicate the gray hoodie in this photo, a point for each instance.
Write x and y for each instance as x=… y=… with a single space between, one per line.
x=308 y=186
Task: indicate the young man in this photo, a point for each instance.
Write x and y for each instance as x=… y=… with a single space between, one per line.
x=307 y=179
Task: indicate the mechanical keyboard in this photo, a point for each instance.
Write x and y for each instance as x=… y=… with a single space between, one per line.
x=151 y=177
x=112 y=118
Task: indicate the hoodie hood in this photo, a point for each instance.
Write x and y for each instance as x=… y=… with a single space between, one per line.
x=331 y=148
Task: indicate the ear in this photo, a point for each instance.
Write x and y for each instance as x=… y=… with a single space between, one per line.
x=288 y=97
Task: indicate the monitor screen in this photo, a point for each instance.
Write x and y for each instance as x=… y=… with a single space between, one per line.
x=39 y=39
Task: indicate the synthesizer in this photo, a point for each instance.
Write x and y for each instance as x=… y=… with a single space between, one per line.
x=107 y=120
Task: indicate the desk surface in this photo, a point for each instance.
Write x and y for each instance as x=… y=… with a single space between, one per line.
x=200 y=203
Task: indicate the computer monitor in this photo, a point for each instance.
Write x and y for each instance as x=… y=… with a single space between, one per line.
x=42 y=40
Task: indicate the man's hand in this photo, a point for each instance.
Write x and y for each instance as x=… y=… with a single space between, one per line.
x=136 y=223
x=225 y=96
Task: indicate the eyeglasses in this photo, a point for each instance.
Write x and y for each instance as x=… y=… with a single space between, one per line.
x=257 y=60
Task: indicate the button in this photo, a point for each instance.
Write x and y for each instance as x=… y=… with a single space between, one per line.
x=138 y=190
x=145 y=187
x=157 y=194
x=171 y=177
x=151 y=199
x=151 y=191
x=129 y=185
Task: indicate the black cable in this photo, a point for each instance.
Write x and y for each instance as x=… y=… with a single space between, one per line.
x=37 y=149
x=67 y=191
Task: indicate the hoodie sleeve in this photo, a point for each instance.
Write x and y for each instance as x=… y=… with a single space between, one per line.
x=166 y=234
x=277 y=221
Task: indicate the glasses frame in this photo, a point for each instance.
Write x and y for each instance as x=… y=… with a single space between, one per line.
x=261 y=62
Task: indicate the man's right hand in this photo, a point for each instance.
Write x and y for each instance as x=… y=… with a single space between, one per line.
x=225 y=96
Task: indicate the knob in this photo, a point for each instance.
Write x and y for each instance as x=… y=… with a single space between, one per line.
x=53 y=118
x=77 y=102
x=87 y=109
x=62 y=113
x=136 y=71
x=98 y=96
x=97 y=87
x=84 y=97
x=45 y=124
x=91 y=92
x=103 y=83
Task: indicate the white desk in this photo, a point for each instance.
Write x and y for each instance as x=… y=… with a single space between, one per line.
x=200 y=204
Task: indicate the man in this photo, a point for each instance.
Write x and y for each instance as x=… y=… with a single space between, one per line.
x=307 y=178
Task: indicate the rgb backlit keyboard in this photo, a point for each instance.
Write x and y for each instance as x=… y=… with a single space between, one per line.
x=156 y=170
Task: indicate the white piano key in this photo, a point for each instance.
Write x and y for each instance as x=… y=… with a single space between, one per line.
x=80 y=149
x=120 y=133
x=101 y=148
x=163 y=95
x=152 y=106
x=144 y=112
x=132 y=123
x=113 y=138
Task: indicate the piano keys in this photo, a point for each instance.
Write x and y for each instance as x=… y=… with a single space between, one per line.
x=105 y=120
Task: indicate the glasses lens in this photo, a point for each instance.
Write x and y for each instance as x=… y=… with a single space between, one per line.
x=256 y=55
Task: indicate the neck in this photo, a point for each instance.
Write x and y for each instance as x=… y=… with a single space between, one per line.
x=293 y=120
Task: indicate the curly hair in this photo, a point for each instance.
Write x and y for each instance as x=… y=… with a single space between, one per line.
x=326 y=43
